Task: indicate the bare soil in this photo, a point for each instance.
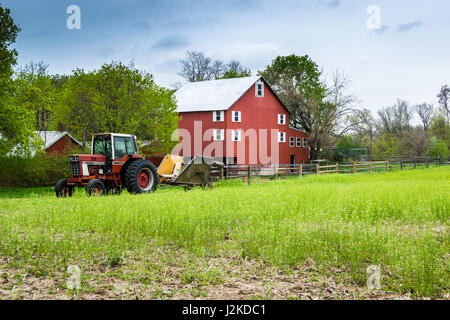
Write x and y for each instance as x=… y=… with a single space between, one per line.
x=180 y=275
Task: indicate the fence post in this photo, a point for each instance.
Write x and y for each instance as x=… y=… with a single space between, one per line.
x=387 y=165
x=371 y=166
x=354 y=167
x=276 y=171
x=439 y=161
x=337 y=168
x=221 y=173
x=249 y=174
x=301 y=170
x=317 y=169
x=401 y=164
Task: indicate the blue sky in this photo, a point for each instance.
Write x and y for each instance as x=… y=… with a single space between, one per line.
x=407 y=58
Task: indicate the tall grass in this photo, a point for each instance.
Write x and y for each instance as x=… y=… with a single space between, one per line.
x=396 y=220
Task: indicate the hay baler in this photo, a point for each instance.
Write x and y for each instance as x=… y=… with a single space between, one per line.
x=175 y=170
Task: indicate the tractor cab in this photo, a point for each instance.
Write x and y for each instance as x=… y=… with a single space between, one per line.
x=113 y=145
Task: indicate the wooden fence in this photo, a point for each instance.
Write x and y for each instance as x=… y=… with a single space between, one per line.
x=247 y=172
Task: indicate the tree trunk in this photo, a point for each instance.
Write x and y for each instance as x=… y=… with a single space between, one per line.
x=84 y=142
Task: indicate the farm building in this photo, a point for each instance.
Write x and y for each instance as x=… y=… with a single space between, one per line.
x=58 y=142
x=239 y=121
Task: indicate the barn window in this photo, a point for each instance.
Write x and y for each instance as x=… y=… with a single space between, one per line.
x=236 y=116
x=281 y=119
x=218 y=134
x=218 y=116
x=259 y=89
x=281 y=136
x=299 y=142
x=291 y=142
x=236 y=135
x=304 y=142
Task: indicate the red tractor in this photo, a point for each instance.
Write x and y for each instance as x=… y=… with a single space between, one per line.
x=114 y=164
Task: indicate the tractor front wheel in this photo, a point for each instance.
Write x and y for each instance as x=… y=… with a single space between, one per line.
x=141 y=177
x=95 y=188
x=62 y=190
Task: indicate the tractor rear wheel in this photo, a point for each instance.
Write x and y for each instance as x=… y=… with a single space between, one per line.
x=141 y=177
x=62 y=190
x=95 y=188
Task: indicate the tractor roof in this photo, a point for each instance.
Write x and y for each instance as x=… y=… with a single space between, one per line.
x=113 y=134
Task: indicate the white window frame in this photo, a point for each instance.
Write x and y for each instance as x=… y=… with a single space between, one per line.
x=218 y=134
x=233 y=116
x=282 y=137
x=298 y=142
x=257 y=84
x=291 y=142
x=221 y=116
x=304 y=142
x=234 y=137
x=282 y=119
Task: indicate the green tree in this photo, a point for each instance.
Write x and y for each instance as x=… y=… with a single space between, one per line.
x=440 y=128
x=8 y=56
x=131 y=102
x=16 y=121
x=197 y=67
x=37 y=93
x=120 y=99
x=365 y=127
x=314 y=107
x=346 y=142
x=234 y=70
x=78 y=109
x=438 y=148
x=386 y=145
x=235 y=74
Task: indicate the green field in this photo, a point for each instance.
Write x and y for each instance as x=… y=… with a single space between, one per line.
x=396 y=220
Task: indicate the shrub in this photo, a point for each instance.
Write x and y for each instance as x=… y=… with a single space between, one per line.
x=41 y=170
x=438 y=148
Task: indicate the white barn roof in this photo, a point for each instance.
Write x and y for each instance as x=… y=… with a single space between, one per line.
x=214 y=95
x=51 y=137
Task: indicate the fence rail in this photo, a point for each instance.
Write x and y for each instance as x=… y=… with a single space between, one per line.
x=247 y=172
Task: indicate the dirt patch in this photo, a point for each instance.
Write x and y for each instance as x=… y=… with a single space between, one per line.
x=180 y=275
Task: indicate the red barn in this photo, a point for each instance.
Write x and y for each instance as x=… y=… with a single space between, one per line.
x=58 y=142
x=239 y=121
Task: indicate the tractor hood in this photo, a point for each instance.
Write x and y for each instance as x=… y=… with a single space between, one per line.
x=86 y=164
x=90 y=157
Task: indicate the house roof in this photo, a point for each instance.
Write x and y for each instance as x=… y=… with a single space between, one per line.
x=51 y=137
x=213 y=95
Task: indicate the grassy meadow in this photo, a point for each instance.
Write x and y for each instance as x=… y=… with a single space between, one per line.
x=397 y=220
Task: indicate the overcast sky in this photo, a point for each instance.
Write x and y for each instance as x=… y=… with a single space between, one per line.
x=407 y=58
